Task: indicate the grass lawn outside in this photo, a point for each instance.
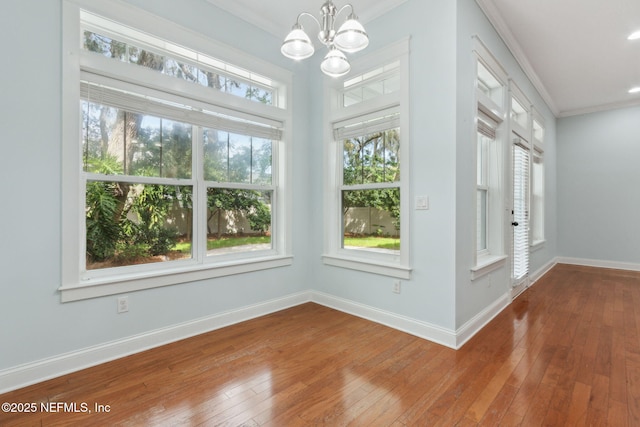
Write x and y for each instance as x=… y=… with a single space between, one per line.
x=225 y=242
x=392 y=243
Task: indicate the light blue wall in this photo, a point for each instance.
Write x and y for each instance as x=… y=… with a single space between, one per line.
x=33 y=323
x=599 y=186
x=473 y=296
x=429 y=295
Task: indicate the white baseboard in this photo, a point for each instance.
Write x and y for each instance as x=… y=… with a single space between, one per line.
x=536 y=275
x=411 y=326
x=599 y=263
x=480 y=320
x=34 y=372
x=42 y=370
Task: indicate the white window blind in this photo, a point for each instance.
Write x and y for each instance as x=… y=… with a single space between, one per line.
x=486 y=125
x=362 y=125
x=520 y=212
x=174 y=107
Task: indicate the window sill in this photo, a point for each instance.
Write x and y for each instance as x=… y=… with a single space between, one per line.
x=538 y=244
x=487 y=264
x=369 y=266
x=136 y=282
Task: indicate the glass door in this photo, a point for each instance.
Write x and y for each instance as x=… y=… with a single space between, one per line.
x=520 y=217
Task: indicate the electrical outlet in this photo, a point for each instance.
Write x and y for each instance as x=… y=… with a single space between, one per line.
x=396 y=287
x=123 y=304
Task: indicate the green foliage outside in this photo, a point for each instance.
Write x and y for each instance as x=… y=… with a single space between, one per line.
x=372 y=159
x=128 y=221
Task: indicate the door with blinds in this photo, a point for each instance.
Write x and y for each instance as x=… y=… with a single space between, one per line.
x=520 y=217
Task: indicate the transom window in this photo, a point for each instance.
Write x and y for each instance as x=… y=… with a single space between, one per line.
x=122 y=43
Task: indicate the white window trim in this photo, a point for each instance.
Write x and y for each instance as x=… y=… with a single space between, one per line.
x=73 y=287
x=538 y=151
x=383 y=264
x=524 y=132
x=494 y=257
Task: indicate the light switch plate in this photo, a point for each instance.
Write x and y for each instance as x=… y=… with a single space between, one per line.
x=422 y=203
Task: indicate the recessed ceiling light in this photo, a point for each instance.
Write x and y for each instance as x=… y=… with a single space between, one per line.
x=635 y=90
x=634 y=36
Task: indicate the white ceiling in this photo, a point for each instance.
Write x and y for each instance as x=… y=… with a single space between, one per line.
x=277 y=17
x=575 y=52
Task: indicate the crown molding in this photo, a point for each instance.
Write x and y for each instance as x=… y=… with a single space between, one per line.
x=495 y=18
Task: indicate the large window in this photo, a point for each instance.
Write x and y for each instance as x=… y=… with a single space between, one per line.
x=367 y=150
x=371 y=187
x=537 y=182
x=180 y=163
x=485 y=158
x=488 y=147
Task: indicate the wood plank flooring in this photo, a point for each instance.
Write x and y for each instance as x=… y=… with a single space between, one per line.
x=566 y=352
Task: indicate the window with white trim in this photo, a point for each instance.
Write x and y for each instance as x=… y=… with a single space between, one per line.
x=490 y=97
x=367 y=147
x=537 y=182
x=521 y=133
x=520 y=241
x=180 y=157
x=485 y=157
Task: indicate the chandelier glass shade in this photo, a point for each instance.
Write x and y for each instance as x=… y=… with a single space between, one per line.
x=350 y=37
x=297 y=44
x=335 y=63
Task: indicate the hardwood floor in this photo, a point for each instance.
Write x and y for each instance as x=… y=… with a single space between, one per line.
x=566 y=352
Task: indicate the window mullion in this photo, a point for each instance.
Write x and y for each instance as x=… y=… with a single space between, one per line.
x=199 y=205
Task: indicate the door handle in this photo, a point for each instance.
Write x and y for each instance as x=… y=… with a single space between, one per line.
x=514 y=223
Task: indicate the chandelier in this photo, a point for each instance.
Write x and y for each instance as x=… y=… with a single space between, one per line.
x=350 y=37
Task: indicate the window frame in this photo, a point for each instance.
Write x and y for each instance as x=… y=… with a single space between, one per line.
x=393 y=265
x=75 y=284
x=494 y=108
x=537 y=206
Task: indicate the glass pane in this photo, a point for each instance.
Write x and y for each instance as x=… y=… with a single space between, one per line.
x=238 y=88
x=230 y=157
x=216 y=155
x=372 y=158
x=371 y=84
x=175 y=149
x=260 y=95
x=102 y=139
x=129 y=224
x=261 y=161
x=119 y=142
x=352 y=96
x=392 y=84
x=481 y=215
x=371 y=220
x=482 y=159
x=373 y=90
x=147 y=59
x=518 y=112
x=238 y=220
x=538 y=131
x=239 y=158
x=173 y=67
x=489 y=84
x=181 y=70
x=537 y=199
